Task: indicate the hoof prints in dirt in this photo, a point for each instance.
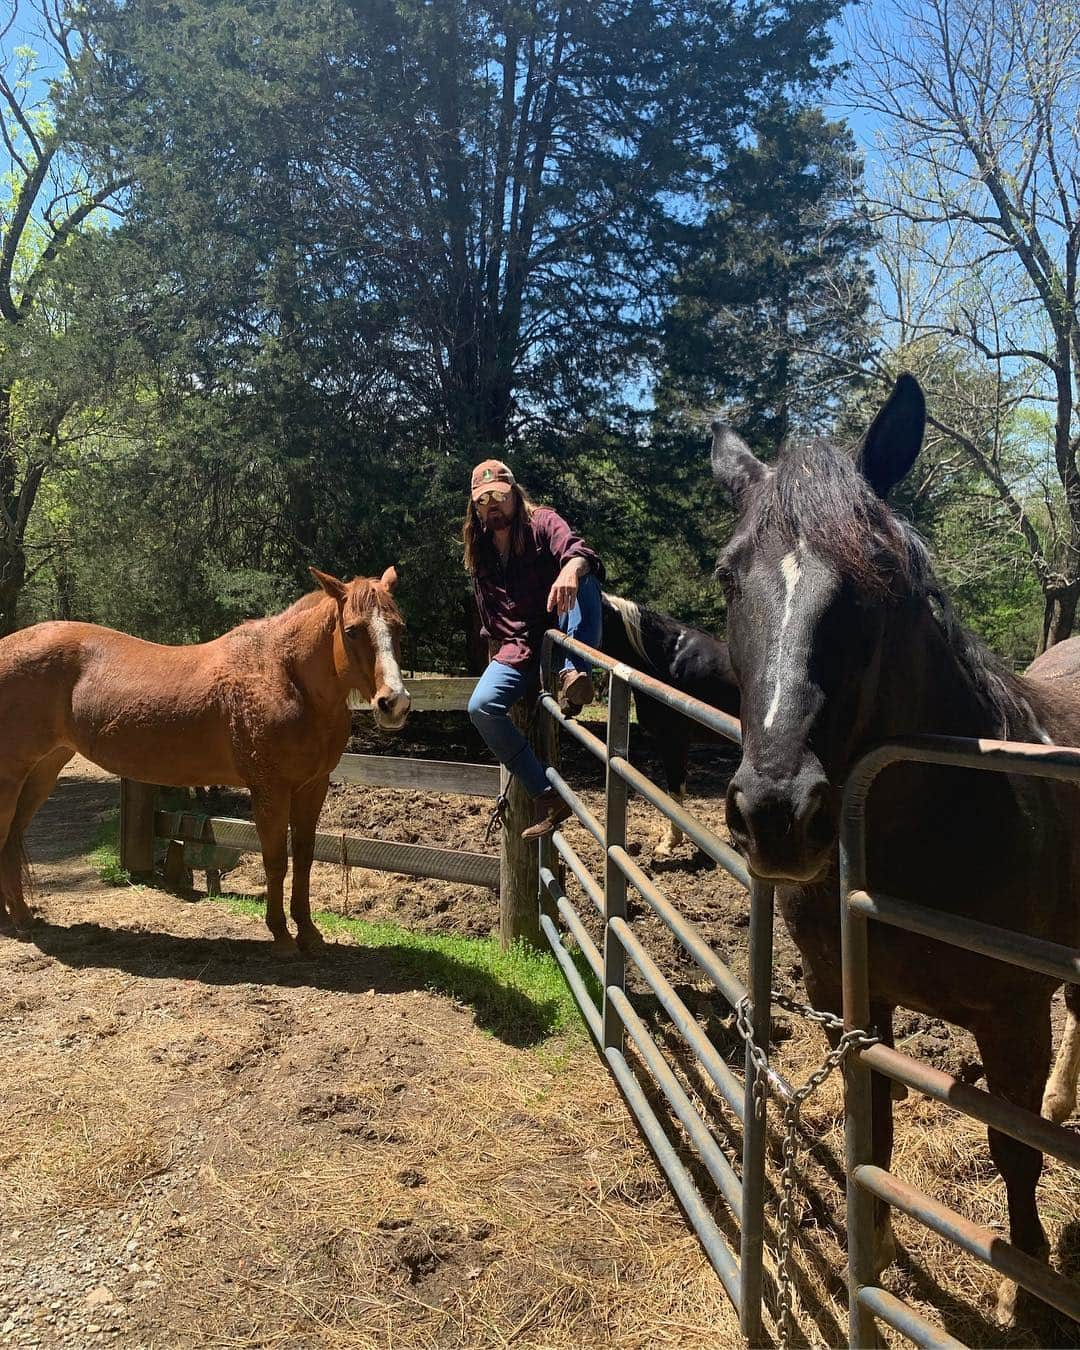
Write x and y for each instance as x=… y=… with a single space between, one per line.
x=418 y=1251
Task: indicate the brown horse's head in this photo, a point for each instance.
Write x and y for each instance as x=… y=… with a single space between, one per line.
x=368 y=642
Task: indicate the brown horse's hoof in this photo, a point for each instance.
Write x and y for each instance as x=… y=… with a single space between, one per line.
x=18 y=926
x=311 y=942
x=285 y=945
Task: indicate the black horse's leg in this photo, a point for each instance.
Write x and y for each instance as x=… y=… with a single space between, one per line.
x=674 y=755
x=1015 y=1052
x=824 y=995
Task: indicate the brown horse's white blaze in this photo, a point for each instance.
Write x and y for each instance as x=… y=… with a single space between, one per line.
x=840 y=638
x=264 y=706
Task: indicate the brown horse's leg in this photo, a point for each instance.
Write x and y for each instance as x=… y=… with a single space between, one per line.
x=271 y=812
x=11 y=852
x=38 y=784
x=303 y=819
x=1016 y=1057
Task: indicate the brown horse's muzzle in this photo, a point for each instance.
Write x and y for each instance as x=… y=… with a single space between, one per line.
x=785 y=829
x=391 y=708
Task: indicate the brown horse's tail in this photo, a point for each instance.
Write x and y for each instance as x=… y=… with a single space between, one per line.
x=26 y=872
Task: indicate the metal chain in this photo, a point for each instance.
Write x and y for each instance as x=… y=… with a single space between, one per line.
x=849 y=1040
x=497 y=817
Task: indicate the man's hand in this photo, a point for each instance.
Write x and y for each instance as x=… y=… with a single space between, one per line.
x=563 y=594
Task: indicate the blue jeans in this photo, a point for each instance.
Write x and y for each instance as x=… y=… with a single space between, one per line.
x=500 y=687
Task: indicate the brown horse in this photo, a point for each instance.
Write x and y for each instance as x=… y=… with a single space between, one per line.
x=840 y=637
x=263 y=707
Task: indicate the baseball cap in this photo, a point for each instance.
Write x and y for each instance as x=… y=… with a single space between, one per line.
x=491 y=475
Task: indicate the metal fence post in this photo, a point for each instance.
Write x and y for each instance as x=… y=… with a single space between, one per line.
x=753 y=1177
x=858 y=1102
x=618 y=741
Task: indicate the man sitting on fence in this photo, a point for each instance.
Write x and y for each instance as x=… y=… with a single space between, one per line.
x=527 y=565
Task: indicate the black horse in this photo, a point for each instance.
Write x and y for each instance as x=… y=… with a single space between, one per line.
x=841 y=637
x=687 y=659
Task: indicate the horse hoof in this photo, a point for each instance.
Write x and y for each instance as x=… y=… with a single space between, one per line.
x=662 y=851
x=1057 y=1106
x=311 y=942
x=285 y=946
x=1005 y=1308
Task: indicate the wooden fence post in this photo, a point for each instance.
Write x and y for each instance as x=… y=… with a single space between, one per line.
x=519 y=873
x=138 y=801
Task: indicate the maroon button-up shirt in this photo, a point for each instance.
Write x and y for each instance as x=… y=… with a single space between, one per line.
x=512 y=600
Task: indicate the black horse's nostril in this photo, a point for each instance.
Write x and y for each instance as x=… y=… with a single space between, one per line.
x=736 y=815
x=817 y=818
x=383 y=703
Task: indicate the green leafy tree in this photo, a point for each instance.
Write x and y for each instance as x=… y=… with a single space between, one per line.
x=386 y=238
x=49 y=195
x=769 y=315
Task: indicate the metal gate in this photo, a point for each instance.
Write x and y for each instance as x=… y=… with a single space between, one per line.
x=865 y=1182
x=615 y=1017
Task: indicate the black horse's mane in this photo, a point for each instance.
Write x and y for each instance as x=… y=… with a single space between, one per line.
x=817 y=496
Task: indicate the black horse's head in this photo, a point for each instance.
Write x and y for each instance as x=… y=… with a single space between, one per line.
x=815 y=565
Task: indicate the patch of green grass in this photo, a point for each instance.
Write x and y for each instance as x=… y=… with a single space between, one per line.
x=105 y=854
x=518 y=995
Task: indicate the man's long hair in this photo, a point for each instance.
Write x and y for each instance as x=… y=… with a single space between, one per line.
x=472 y=531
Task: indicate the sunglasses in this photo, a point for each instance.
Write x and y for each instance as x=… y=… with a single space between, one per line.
x=487 y=498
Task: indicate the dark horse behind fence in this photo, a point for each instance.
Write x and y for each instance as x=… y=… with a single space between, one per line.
x=841 y=637
x=691 y=661
x=264 y=707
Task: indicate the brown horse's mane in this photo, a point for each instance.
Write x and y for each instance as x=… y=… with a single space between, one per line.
x=368 y=598
x=818 y=496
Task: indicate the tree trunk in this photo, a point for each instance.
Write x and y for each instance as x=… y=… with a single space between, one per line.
x=12 y=577
x=1059 y=614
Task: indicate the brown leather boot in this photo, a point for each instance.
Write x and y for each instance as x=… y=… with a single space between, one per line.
x=549 y=811
x=575 y=690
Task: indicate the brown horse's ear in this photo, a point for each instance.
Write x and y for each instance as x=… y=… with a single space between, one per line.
x=390 y=577
x=330 y=584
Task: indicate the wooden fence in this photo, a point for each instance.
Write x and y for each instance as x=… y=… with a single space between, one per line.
x=214 y=843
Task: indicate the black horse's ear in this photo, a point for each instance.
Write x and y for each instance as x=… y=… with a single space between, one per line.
x=734 y=465
x=894 y=440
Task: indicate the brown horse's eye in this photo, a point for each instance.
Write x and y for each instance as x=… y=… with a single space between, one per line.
x=353 y=631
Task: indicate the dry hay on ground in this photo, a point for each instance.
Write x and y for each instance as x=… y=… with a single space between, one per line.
x=304 y=1162
x=206 y=1147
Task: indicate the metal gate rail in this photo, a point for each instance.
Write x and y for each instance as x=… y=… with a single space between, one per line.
x=616 y=1017
x=865 y=1181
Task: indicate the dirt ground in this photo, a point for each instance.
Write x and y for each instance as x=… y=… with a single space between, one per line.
x=205 y=1147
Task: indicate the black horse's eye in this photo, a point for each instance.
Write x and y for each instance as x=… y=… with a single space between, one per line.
x=725 y=577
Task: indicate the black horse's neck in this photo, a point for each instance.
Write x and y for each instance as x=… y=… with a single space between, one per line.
x=924 y=686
